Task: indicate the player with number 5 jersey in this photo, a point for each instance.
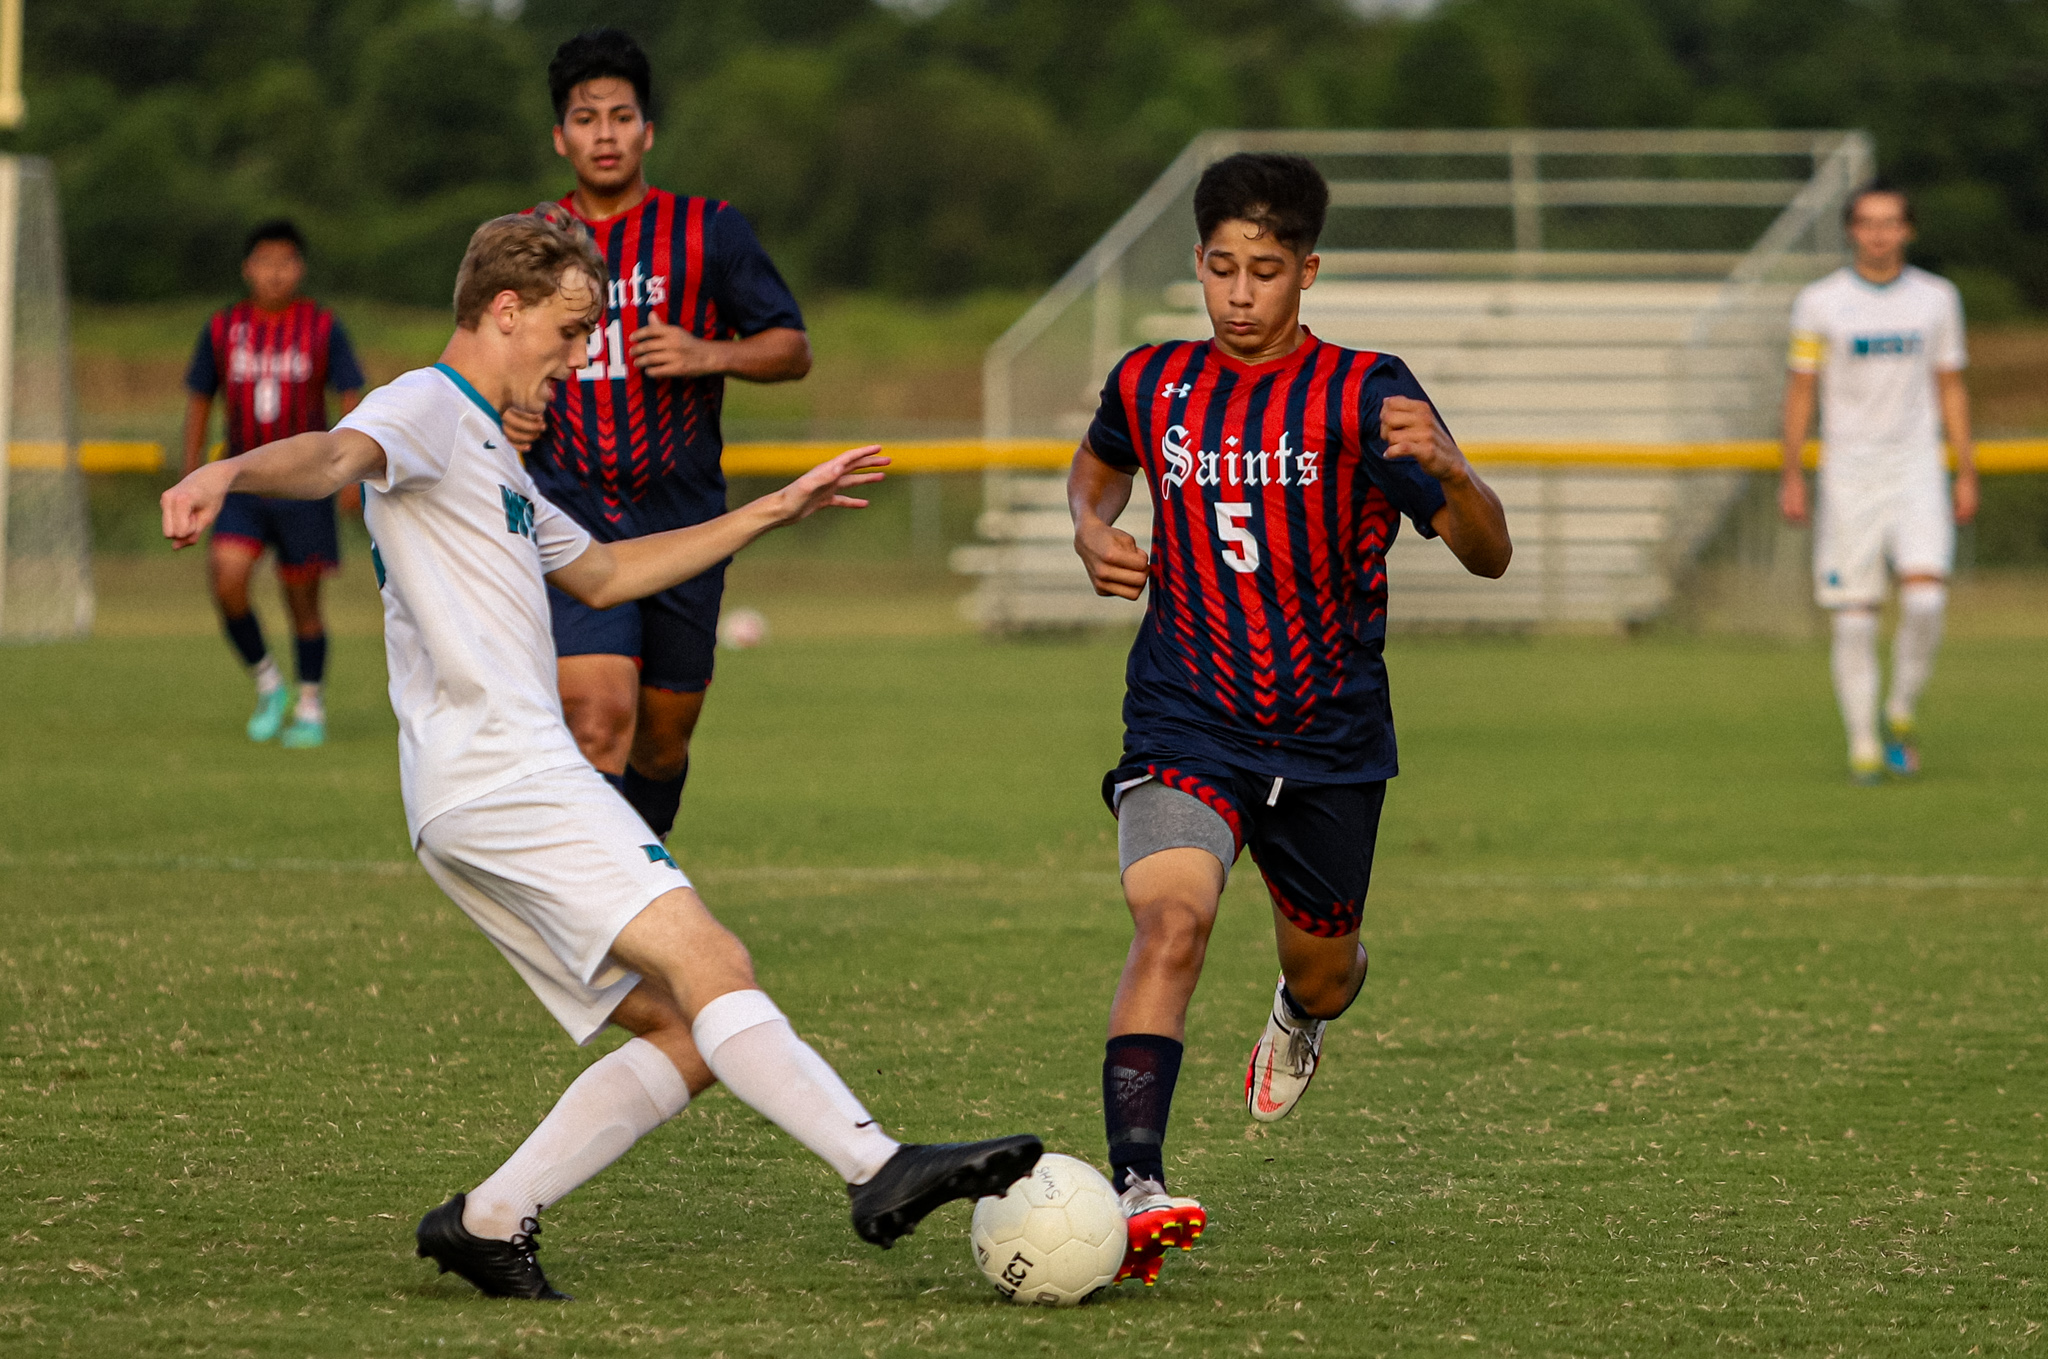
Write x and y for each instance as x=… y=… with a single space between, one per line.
x=1256 y=713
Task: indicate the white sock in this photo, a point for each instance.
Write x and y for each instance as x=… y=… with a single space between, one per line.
x=750 y=1046
x=1921 y=606
x=269 y=679
x=618 y=1100
x=311 y=707
x=1854 y=662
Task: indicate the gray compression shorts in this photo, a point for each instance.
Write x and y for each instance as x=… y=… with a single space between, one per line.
x=1152 y=817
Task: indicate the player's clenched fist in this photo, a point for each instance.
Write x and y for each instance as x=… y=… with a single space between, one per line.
x=1116 y=564
x=195 y=502
x=1412 y=430
x=523 y=427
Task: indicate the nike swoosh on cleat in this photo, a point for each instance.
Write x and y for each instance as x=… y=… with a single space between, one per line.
x=1263 y=1097
x=865 y=1123
x=489 y=444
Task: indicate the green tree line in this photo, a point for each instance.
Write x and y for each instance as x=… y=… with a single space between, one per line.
x=930 y=150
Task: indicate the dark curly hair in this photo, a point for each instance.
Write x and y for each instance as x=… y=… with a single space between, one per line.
x=595 y=54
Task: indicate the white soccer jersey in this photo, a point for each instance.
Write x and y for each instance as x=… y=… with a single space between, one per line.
x=1877 y=348
x=461 y=540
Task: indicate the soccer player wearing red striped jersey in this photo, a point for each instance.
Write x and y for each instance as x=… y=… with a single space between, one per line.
x=632 y=446
x=271 y=359
x=1256 y=712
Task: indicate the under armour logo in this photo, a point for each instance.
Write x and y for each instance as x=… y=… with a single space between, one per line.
x=1170 y=390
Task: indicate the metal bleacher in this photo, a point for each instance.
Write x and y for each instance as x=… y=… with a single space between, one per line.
x=1595 y=313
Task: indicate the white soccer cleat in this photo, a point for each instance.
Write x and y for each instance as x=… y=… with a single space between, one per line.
x=1282 y=1064
x=1155 y=1222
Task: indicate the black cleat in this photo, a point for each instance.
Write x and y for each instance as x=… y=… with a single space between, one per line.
x=918 y=1179
x=501 y=1269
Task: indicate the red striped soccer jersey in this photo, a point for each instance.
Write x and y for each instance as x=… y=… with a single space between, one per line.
x=272 y=369
x=1274 y=506
x=626 y=454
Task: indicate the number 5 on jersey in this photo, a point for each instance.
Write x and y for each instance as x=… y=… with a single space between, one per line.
x=1240 y=549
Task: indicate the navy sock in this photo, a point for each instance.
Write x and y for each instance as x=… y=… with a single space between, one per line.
x=617 y=781
x=312 y=658
x=1138 y=1075
x=247 y=635
x=656 y=799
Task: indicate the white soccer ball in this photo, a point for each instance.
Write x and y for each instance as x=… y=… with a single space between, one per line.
x=1056 y=1239
x=742 y=628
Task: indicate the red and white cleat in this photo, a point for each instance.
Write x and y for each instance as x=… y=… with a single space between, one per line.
x=1156 y=1222
x=1282 y=1064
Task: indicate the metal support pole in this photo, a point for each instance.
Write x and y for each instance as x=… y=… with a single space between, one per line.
x=10 y=233
x=1527 y=194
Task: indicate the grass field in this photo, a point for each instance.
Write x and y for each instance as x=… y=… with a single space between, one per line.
x=1675 y=1043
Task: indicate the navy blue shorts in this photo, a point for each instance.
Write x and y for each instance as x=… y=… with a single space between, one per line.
x=305 y=533
x=673 y=635
x=1313 y=842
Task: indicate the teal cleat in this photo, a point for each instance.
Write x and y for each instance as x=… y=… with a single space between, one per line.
x=304 y=735
x=269 y=714
x=1901 y=756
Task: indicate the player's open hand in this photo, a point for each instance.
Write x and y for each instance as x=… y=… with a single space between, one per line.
x=524 y=427
x=1116 y=564
x=665 y=351
x=826 y=484
x=194 y=503
x=1412 y=430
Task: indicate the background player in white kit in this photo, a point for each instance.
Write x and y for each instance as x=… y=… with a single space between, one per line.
x=507 y=816
x=1884 y=343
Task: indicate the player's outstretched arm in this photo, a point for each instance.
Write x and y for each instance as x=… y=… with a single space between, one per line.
x=1471 y=523
x=303 y=467
x=1096 y=495
x=608 y=574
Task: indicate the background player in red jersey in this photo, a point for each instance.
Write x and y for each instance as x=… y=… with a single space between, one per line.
x=632 y=446
x=1256 y=713
x=272 y=358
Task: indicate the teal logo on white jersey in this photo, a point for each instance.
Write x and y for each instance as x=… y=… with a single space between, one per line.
x=656 y=854
x=518 y=513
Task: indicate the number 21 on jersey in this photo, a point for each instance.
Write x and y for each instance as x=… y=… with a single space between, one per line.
x=1240 y=550
x=606 y=355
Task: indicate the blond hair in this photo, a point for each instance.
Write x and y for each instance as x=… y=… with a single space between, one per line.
x=526 y=253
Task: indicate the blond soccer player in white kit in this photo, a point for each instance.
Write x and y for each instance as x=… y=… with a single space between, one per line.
x=1883 y=342
x=507 y=816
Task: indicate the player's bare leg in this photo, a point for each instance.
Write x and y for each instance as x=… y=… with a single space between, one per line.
x=309 y=638
x=230 y=562
x=1319 y=978
x=660 y=760
x=1173 y=897
x=600 y=698
x=1923 y=601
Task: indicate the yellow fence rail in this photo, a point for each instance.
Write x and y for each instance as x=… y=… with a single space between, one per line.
x=970 y=455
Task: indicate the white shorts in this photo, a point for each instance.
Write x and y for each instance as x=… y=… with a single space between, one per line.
x=551 y=867
x=1863 y=525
